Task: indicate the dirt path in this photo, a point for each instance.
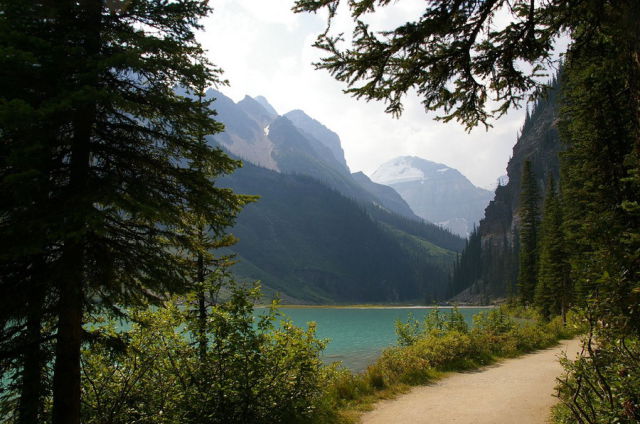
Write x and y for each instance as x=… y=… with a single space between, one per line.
x=515 y=391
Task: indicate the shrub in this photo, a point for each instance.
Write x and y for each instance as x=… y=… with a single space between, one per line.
x=435 y=322
x=254 y=369
x=603 y=384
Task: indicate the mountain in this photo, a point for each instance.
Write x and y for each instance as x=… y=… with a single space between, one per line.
x=314 y=129
x=435 y=192
x=488 y=267
x=295 y=144
x=314 y=245
x=320 y=234
x=243 y=136
x=266 y=105
x=256 y=111
x=388 y=198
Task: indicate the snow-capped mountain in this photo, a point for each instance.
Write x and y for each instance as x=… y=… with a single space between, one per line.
x=295 y=143
x=435 y=192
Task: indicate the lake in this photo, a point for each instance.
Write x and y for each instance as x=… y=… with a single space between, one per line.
x=358 y=335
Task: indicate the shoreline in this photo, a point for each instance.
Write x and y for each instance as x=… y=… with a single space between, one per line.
x=368 y=306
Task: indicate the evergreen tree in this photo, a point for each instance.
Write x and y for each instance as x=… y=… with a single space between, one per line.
x=468 y=266
x=30 y=115
x=529 y=217
x=601 y=129
x=455 y=56
x=118 y=149
x=553 y=291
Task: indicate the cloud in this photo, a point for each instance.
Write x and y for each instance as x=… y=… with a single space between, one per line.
x=265 y=49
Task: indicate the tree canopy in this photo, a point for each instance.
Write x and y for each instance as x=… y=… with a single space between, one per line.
x=103 y=166
x=457 y=55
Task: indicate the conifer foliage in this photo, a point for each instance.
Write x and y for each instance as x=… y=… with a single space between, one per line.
x=529 y=223
x=553 y=292
x=468 y=267
x=102 y=163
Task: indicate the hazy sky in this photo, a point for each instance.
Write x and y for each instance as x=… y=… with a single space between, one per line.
x=267 y=50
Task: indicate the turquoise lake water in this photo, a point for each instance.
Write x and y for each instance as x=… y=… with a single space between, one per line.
x=358 y=335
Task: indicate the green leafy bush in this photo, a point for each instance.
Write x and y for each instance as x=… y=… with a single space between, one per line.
x=443 y=342
x=603 y=384
x=255 y=369
x=435 y=321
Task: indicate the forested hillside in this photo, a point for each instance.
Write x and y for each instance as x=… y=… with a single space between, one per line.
x=488 y=266
x=318 y=233
x=312 y=244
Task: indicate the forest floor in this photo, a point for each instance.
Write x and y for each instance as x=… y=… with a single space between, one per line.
x=518 y=390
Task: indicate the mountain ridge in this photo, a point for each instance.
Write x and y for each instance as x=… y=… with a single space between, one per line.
x=320 y=234
x=314 y=245
x=488 y=266
x=435 y=192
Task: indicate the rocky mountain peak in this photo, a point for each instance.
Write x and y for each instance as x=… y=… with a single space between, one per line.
x=317 y=131
x=411 y=168
x=435 y=192
x=266 y=105
x=261 y=115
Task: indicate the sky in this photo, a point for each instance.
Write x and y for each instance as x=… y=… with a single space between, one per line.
x=265 y=49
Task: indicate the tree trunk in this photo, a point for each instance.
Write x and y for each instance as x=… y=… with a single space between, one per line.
x=66 y=378
x=30 y=407
x=71 y=285
x=202 y=309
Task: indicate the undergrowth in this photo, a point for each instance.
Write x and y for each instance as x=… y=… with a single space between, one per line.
x=427 y=350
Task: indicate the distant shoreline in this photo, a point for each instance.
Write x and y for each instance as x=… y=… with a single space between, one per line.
x=365 y=306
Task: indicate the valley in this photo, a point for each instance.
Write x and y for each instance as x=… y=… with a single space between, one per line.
x=321 y=234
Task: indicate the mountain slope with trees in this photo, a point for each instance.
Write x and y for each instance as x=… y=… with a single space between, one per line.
x=312 y=244
x=492 y=270
x=297 y=245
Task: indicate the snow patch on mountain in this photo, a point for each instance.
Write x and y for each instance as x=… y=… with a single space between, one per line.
x=399 y=170
x=435 y=192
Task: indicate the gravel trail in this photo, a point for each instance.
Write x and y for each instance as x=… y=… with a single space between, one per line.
x=514 y=391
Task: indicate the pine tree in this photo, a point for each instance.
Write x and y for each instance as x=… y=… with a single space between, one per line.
x=529 y=217
x=600 y=124
x=553 y=291
x=468 y=267
x=601 y=128
x=117 y=161
x=29 y=116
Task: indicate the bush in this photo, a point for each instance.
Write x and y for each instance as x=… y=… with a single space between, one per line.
x=254 y=370
x=435 y=322
x=443 y=342
x=603 y=384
